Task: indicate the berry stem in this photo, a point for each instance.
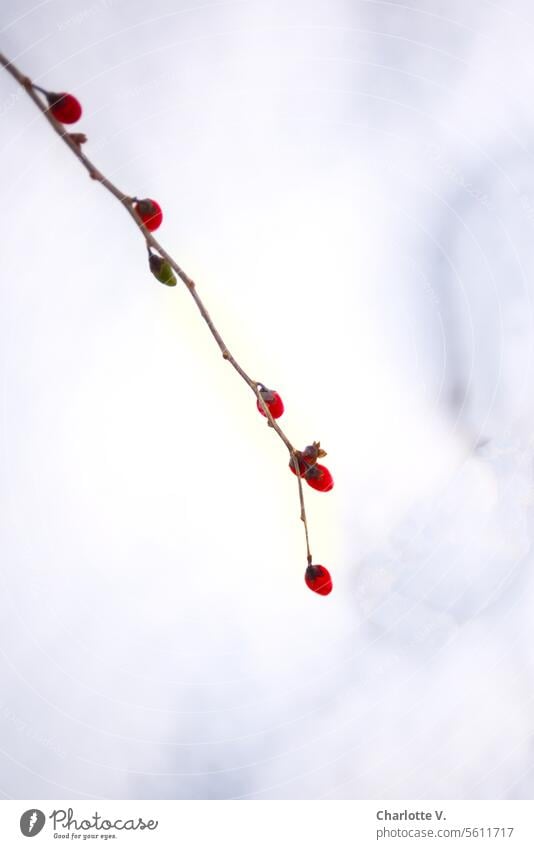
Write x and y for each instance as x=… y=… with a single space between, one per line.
x=127 y=202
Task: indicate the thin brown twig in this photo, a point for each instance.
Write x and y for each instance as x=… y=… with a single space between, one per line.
x=127 y=203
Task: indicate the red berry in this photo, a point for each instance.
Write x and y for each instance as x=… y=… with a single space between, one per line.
x=64 y=107
x=149 y=212
x=318 y=579
x=320 y=478
x=273 y=402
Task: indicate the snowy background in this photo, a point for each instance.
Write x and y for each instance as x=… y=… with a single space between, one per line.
x=350 y=183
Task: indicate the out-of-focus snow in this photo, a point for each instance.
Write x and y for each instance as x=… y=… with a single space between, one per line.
x=351 y=186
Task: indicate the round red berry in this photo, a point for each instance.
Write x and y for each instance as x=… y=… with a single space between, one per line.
x=64 y=107
x=318 y=579
x=149 y=212
x=273 y=402
x=320 y=478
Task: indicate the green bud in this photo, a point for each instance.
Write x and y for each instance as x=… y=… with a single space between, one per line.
x=161 y=270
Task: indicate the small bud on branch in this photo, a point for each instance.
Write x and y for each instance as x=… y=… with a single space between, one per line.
x=78 y=138
x=161 y=270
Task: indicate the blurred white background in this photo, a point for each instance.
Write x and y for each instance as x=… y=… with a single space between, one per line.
x=365 y=167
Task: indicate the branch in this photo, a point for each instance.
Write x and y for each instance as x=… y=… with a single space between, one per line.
x=127 y=202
